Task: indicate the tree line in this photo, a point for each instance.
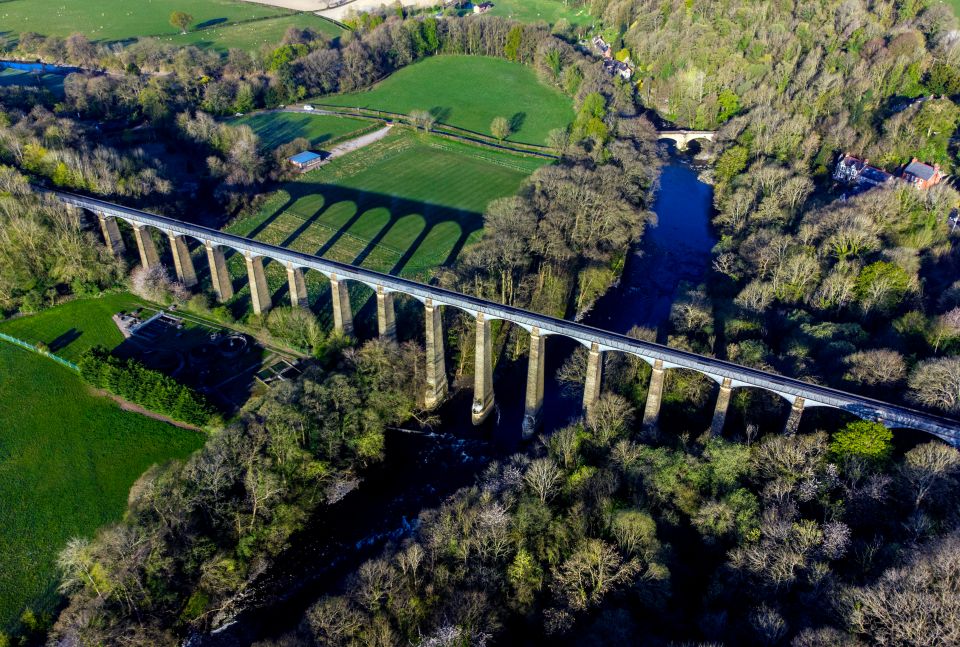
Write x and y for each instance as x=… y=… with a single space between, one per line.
x=134 y=382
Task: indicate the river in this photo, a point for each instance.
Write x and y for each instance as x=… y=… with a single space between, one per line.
x=423 y=469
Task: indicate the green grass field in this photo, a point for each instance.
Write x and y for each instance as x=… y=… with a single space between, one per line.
x=253 y=35
x=112 y=20
x=276 y=128
x=73 y=327
x=535 y=10
x=218 y=24
x=67 y=461
x=469 y=92
x=405 y=205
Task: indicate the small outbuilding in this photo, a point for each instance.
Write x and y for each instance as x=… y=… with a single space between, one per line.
x=306 y=161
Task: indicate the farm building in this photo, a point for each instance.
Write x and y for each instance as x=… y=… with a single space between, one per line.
x=306 y=161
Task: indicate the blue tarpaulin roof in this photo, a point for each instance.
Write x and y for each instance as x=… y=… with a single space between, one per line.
x=305 y=157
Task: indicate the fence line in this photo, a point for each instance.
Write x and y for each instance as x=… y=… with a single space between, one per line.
x=44 y=353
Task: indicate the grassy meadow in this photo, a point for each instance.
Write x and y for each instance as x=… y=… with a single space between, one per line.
x=113 y=20
x=276 y=128
x=71 y=328
x=254 y=34
x=218 y=24
x=469 y=92
x=67 y=461
x=404 y=205
x=547 y=10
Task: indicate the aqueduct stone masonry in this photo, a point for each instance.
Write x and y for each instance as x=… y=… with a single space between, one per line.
x=728 y=376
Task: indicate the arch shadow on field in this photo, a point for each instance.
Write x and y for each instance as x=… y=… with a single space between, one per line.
x=365 y=204
x=371 y=219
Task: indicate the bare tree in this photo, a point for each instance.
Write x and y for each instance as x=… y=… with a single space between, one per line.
x=565 y=444
x=636 y=533
x=878 y=366
x=769 y=624
x=334 y=621
x=936 y=383
x=728 y=264
x=929 y=468
x=79 y=568
x=543 y=476
x=945 y=328
x=154 y=284
x=592 y=571
x=913 y=604
x=755 y=297
x=610 y=417
x=500 y=128
x=423 y=120
x=558 y=139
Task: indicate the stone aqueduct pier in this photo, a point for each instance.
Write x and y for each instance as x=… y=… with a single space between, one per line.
x=728 y=376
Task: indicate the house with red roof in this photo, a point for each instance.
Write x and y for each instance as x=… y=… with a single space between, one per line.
x=920 y=175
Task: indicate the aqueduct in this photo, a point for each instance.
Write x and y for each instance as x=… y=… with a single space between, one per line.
x=728 y=376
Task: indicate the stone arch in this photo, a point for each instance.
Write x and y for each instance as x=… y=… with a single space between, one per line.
x=682 y=138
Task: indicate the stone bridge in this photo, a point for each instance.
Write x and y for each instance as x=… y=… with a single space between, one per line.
x=682 y=138
x=728 y=376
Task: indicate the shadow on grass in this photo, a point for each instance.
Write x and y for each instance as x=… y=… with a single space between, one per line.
x=441 y=114
x=275 y=132
x=210 y=23
x=64 y=340
x=365 y=202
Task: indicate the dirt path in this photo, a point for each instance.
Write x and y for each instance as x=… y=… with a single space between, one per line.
x=337 y=13
x=136 y=408
x=358 y=143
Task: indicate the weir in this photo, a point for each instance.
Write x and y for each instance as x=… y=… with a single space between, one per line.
x=728 y=375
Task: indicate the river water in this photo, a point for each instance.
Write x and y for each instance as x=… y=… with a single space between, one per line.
x=422 y=469
x=676 y=249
